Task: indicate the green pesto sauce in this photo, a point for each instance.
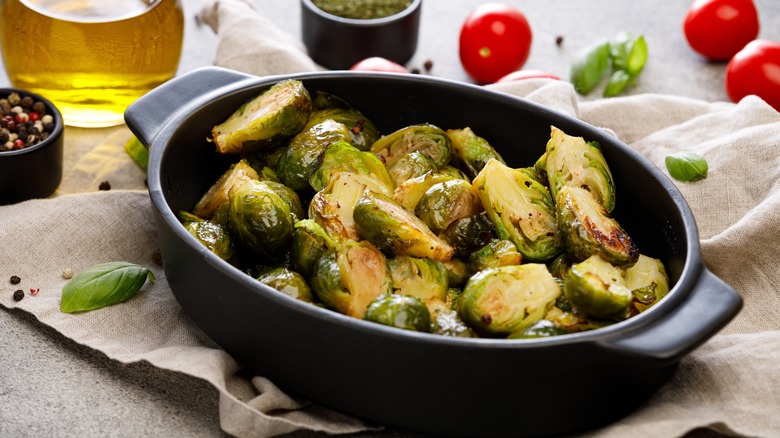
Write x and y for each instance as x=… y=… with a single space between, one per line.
x=362 y=9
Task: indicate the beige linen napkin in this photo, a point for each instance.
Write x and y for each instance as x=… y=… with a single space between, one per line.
x=727 y=385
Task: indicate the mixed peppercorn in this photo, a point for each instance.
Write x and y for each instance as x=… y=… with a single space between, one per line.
x=23 y=122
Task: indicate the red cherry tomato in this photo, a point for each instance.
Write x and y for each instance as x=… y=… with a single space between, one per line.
x=718 y=29
x=379 y=64
x=527 y=74
x=495 y=40
x=755 y=70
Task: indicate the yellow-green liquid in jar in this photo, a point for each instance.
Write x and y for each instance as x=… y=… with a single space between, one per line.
x=92 y=58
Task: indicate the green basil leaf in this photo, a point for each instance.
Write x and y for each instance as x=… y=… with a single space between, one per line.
x=628 y=52
x=589 y=66
x=686 y=166
x=617 y=83
x=103 y=285
x=637 y=56
x=137 y=152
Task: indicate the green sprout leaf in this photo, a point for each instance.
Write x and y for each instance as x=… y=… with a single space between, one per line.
x=137 y=152
x=686 y=166
x=103 y=285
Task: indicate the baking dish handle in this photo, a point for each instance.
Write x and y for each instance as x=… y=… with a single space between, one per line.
x=147 y=115
x=709 y=306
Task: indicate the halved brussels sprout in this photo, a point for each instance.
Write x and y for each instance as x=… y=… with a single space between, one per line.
x=647 y=280
x=261 y=219
x=454 y=172
x=424 y=279
x=411 y=166
x=498 y=252
x=469 y=234
x=457 y=272
x=470 y=151
x=219 y=193
x=426 y=138
x=446 y=322
x=362 y=131
x=212 y=236
x=287 y=282
x=300 y=157
x=575 y=322
x=543 y=328
x=333 y=207
x=221 y=215
x=585 y=229
x=396 y=230
x=508 y=299
x=278 y=113
x=349 y=278
x=400 y=311
x=571 y=161
x=343 y=157
x=409 y=192
x=447 y=202
x=596 y=289
x=309 y=242
x=521 y=210
x=290 y=197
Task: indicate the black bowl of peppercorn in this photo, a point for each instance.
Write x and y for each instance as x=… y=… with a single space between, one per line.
x=31 y=142
x=339 y=33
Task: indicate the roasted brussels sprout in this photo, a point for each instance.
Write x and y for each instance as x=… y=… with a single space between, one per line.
x=347 y=279
x=471 y=152
x=287 y=282
x=212 y=236
x=300 y=157
x=573 y=321
x=278 y=113
x=498 y=252
x=424 y=279
x=219 y=193
x=596 y=289
x=362 y=131
x=309 y=242
x=290 y=197
x=543 y=328
x=411 y=166
x=333 y=207
x=521 y=210
x=343 y=157
x=447 y=202
x=261 y=219
x=457 y=272
x=508 y=299
x=396 y=230
x=400 y=311
x=426 y=138
x=469 y=234
x=571 y=161
x=647 y=280
x=409 y=192
x=454 y=172
x=559 y=266
x=446 y=322
x=585 y=229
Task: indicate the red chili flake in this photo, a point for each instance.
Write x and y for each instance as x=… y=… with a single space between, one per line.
x=34 y=292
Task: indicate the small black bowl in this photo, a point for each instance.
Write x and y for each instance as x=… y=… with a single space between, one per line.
x=34 y=171
x=338 y=43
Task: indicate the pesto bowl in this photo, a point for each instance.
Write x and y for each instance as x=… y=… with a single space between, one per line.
x=338 y=43
x=419 y=381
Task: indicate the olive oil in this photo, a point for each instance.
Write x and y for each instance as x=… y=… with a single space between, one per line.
x=92 y=58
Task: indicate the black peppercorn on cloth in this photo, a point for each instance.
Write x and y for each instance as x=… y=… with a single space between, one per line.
x=728 y=385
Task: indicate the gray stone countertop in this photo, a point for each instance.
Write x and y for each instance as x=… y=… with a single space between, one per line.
x=51 y=386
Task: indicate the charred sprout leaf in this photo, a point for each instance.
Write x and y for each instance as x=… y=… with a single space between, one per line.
x=586 y=230
x=397 y=231
x=309 y=243
x=261 y=219
x=447 y=202
x=343 y=157
x=426 y=138
x=508 y=299
x=278 y=113
x=411 y=166
x=137 y=152
x=596 y=289
x=498 y=252
x=471 y=152
x=571 y=161
x=617 y=83
x=350 y=278
x=300 y=157
x=541 y=329
x=686 y=166
x=103 y=285
x=362 y=132
x=213 y=236
x=521 y=210
x=287 y=282
x=424 y=279
x=219 y=193
x=589 y=66
x=400 y=311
